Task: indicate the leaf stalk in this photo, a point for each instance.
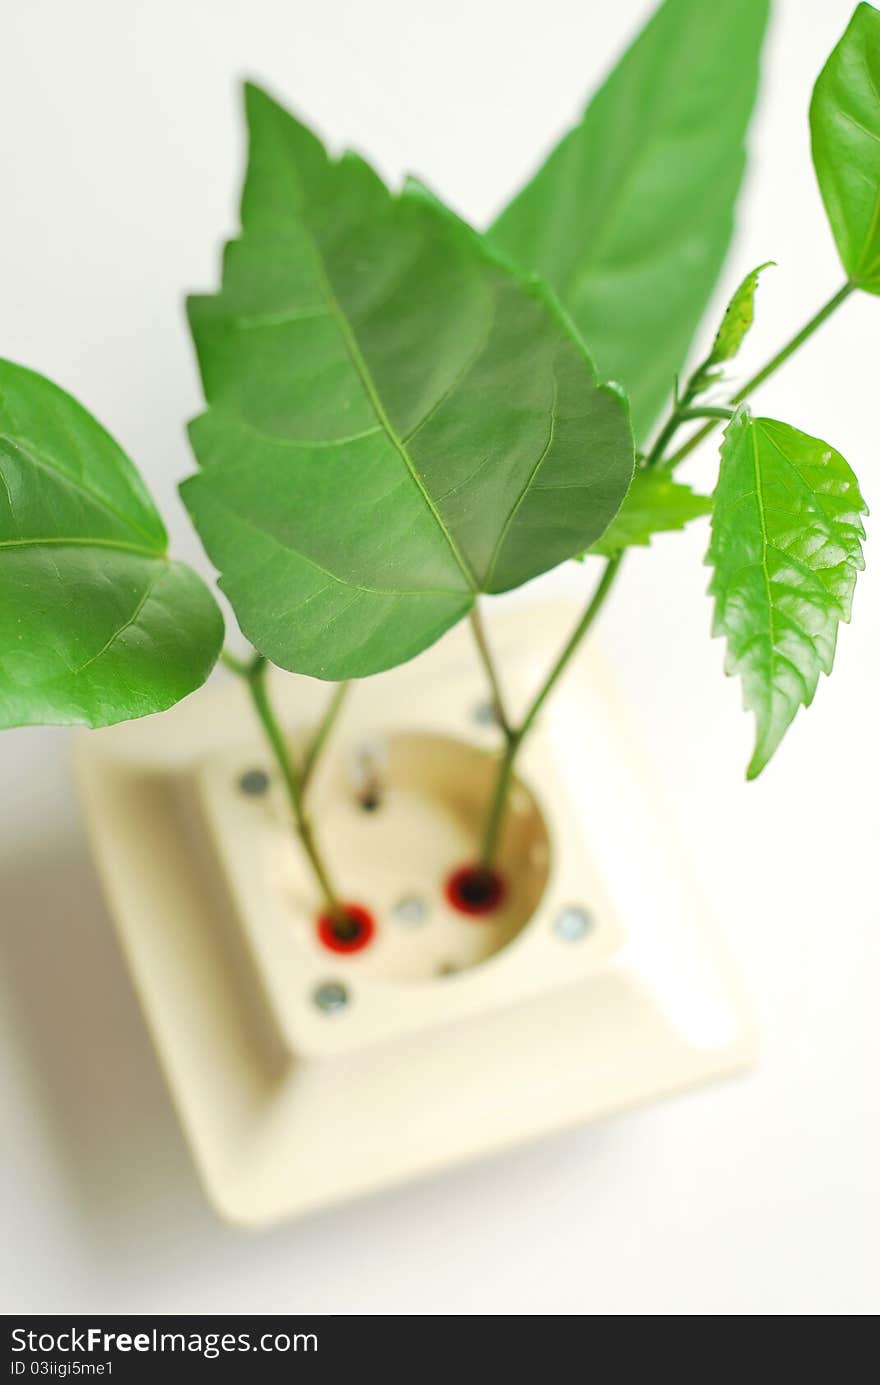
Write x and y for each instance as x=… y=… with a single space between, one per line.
x=315 y=748
x=770 y=368
x=684 y=409
x=514 y=736
x=498 y=704
x=295 y=780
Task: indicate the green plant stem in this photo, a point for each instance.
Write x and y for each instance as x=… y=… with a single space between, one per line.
x=321 y=736
x=235 y=665
x=515 y=736
x=664 y=437
x=485 y=653
x=254 y=675
x=767 y=370
x=594 y=606
x=709 y=411
x=242 y=667
x=498 y=805
x=681 y=413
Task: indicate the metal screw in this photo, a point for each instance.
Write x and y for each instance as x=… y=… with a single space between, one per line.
x=367 y=769
x=330 y=996
x=573 y=923
x=254 y=782
x=411 y=910
x=484 y=714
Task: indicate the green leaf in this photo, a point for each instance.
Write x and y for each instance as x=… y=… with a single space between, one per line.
x=631 y=215
x=845 y=128
x=786 y=548
x=396 y=420
x=96 y=624
x=737 y=319
x=655 y=503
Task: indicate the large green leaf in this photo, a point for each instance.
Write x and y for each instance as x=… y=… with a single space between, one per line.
x=655 y=503
x=630 y=217
x=845 y=127
x=396 y=420
x=786 y=548
x=96 y=624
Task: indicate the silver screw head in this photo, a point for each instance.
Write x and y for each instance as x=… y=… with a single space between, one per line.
x=573 y=923
x=331 y=997
x=484 y=714
x=254 y=782
x=410 y=910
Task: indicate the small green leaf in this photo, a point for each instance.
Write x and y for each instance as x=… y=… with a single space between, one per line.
x=630 y=217
x=737 y=319
x=96 y=624
x=396 y=420
x=786 y=548
x=845 y=127
x=655 y=503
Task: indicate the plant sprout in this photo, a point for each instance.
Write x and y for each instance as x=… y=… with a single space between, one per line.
x=406 y=417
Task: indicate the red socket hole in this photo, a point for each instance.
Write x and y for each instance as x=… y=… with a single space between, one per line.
x=353 y=932
x=475 y=890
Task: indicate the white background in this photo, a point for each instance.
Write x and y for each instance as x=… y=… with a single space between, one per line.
x=120 y=146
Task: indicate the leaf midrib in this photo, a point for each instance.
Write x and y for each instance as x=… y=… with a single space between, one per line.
x=578 y=276
x=80 y=542
x=766 y=545
x=364 y=374
x=759 y=496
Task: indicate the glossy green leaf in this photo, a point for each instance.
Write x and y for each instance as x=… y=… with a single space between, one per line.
x=845 y=128
x=786 y=547
x=396 y=420
x=655 y=503
x=631 y=215
x=737 y=320
x=96 y=624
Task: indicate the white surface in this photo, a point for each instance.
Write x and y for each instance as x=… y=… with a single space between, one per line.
x=120 y=139
x=303 y=1110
